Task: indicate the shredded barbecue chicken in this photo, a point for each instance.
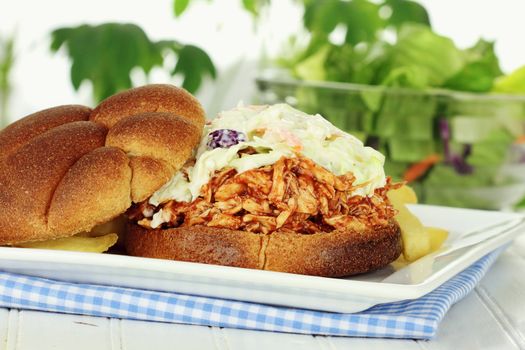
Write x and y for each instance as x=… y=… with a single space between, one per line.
x=293 y=194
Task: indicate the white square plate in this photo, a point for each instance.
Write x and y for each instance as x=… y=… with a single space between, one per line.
x=473 y=233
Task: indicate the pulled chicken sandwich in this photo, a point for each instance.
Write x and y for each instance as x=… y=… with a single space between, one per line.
x=273 y=188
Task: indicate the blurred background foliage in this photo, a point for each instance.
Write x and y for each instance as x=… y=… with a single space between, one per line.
x=252 y=6
x=106 y=55
x=387 y=42
x=7 y=58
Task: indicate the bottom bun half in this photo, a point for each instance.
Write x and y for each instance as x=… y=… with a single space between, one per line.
x=334 y=254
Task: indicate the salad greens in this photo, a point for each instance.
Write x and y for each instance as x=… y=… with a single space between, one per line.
x=419 y=59
x=514 y=83
x=414 y=94
x=480 y=69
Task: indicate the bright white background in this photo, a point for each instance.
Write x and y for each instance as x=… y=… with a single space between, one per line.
x=224 y=30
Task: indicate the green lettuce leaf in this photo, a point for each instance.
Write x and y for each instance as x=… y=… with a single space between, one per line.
x=419 y=51
x=480 y=71
x=513 y=83
x=484 y=189
x=359 y=64
x=492 y=150
x=407 y=116
x=443 y=175
x=405 y=150
x=396 y=170
x=313 y=67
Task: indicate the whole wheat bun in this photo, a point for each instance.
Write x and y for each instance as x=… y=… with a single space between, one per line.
x=67 y=169
x=334 y=254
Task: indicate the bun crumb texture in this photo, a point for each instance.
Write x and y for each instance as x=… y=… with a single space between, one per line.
x=66 y=169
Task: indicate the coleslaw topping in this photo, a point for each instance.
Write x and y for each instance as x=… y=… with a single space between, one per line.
x=250 y=137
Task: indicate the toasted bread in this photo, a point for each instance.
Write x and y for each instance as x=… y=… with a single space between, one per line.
x=333 y=254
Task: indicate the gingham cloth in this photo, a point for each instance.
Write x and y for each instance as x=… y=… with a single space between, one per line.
x=414 y=319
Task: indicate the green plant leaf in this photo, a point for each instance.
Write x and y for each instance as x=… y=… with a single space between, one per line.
x=254 y=6
x=7 y=60
x=362 y=21
x=59 y=36
x=193 y=64
x=404 y=11
x=106 y=54
x=179 y=6
x=322 y=16
x=521 y=204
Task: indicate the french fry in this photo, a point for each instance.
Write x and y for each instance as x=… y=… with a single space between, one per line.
x=437 y=237
x=418 y=240
x=117 y=226
x=76 y=243
x=402 y=195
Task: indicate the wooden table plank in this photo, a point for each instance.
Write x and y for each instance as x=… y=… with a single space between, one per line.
x=42 y=330
x=4 y=322
x=12 y=334
x=470 y=324
x=244 y=339
x=503 y=292
x=139 y=335
x=341 y=343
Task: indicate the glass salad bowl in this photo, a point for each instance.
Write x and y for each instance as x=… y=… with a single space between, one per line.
x=455 y=149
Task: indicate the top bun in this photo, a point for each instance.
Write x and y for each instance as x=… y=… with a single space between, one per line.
x=149 y=98
x=67 y=169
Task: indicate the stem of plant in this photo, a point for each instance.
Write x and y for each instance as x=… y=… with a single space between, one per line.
x=6 y=64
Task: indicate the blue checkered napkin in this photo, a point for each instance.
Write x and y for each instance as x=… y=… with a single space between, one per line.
x=415 y=319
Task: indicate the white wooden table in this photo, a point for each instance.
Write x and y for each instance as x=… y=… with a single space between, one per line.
x=491 y=317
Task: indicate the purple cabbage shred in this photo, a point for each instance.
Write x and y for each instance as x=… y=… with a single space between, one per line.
x=224 y=138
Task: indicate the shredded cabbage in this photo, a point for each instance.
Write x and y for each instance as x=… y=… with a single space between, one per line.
x=277 y=131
